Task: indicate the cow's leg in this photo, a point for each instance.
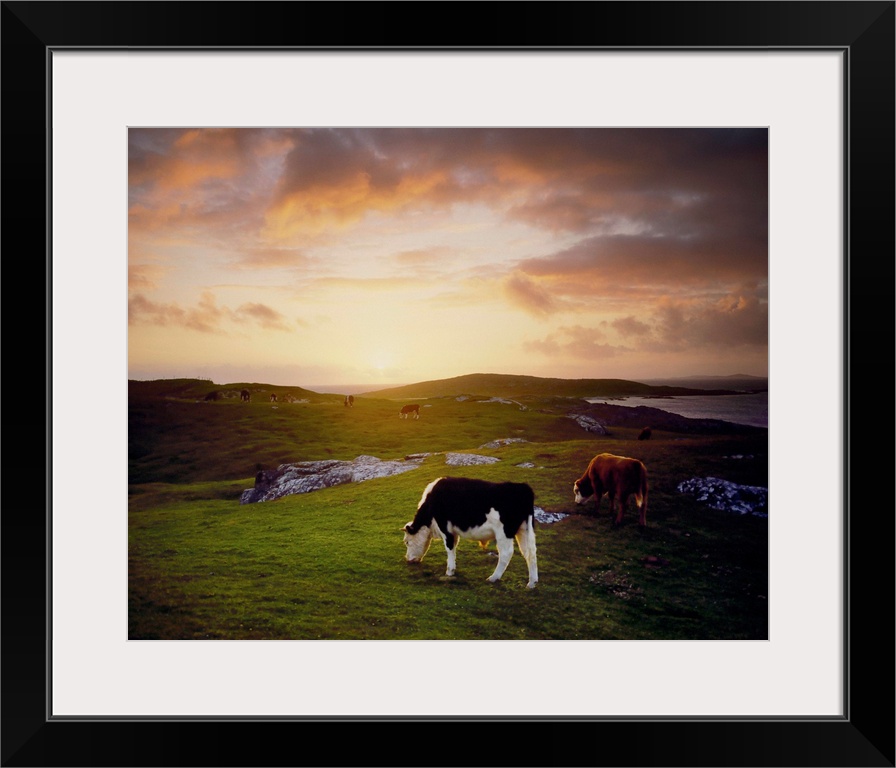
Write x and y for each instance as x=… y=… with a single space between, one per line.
x=525 y=539
x=598 y=494
x=451 y=547
x=505 y=552
x=623 y=501
x=613 y=501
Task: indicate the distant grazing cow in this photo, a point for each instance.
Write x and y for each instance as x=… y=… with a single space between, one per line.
x=645 y=434
x=617 y=476
x=213 y=395
x=408 y=410
x=455 y=508
x=244 y=395
x=273 y=397
x=349 y=401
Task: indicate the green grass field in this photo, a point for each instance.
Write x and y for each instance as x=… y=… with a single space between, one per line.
x=330 y=564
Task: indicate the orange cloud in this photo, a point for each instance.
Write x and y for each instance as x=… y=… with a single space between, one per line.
x=346 y=201
x=527 y=294
x=262 y=258
x=206 y=316
x=263 y=315
x=144 y=276
x=576 y=343
x=423 y=257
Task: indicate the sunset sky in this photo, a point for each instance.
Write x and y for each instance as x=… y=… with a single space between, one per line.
x=327 y=257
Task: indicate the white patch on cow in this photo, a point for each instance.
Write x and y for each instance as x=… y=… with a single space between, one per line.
x=493 y=529
x=417 y=543
x=579 y=498
x=427 y=490
x=490 y=529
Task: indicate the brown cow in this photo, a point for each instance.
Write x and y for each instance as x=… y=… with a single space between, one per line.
x=244 y=395
x=408 y=410
x=645 y=434
x=273 y=397
x=617 y=476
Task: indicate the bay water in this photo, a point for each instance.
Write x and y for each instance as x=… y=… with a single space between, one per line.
x=747 y=408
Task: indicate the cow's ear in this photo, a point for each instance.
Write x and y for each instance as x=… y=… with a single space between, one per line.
x=408 y=527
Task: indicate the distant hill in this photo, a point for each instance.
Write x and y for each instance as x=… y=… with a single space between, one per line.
x=198 y=389
x=739 y=381
x=512 y=386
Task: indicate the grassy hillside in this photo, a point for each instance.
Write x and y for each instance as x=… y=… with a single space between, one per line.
x=329 y=564
x=502 y=385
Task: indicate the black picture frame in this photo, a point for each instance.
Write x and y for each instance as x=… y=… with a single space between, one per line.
x=864 y=736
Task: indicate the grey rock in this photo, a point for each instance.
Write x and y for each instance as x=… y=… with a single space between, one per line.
x=588 y=423
x=307 y=476
x=468 y=459
x=727 y=496
x=548 y=517
x=502 y=442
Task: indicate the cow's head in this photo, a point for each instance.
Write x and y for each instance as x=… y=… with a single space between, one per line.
x=583 y=489
x=417 y=540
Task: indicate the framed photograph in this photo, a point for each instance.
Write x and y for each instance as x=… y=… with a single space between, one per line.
x=98 y=95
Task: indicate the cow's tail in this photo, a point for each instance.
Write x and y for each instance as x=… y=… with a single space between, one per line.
x=644 y=488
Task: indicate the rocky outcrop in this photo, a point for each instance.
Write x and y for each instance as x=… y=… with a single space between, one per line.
x=502 y=442
x=545 y=518
x=306 y=476
x=588 y=423
x=727 y=496
x=468 y=459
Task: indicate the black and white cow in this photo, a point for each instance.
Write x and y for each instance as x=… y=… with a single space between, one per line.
x=453 y=508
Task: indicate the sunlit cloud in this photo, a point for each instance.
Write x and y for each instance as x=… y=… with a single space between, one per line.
x=630 y=327
x=529 y=295
x=274 y=258
x=263 y=315
x=207 y=316
x=423 y=257
x=576 y=343
x=144 y=276
x=638 y=246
